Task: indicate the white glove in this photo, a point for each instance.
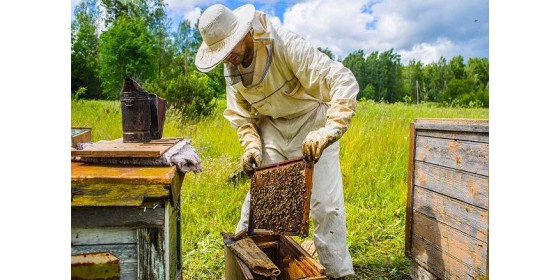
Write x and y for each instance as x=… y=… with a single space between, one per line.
x=317 y=141
x=251 y=158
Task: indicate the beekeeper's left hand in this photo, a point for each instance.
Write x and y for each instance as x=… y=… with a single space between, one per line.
x=317 y=141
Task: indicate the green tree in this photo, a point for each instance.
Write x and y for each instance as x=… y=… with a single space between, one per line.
x=190 y=96
x=369 y=92
x=83 y=56
x=115 y=9
x=355 y=61
x=459 y=92
x=158 y=25
x=126 y=50
x=477 y=70
x=384 y=72
x=456 y=68
x=483 y=95
x=435 y=81
x=392 y=70
x=187 y=39
x=412 y=75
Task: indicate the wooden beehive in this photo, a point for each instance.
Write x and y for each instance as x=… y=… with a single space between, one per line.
x=131 y=212
x=447 y=207
x=293 y=261
x=280 y=198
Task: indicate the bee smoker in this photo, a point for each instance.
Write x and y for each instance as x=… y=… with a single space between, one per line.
x=143 y=113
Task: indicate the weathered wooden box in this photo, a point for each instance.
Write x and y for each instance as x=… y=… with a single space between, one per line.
x=131 y=212
x=292 y=260
x=447 y=207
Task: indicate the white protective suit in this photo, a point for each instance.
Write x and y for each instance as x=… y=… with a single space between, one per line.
x=296 y=89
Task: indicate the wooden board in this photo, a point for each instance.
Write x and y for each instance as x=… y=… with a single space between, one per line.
x=292 y=260
x=96 y=266
x=172 y=240
x=105 y=217
x=456 y=125
x=151 y=254
x=146 y=252
x=468 y=250
x=117 y=235
x=457 y=154
x=126 y=253
x=452 y=212
x=89 y=173
x=116 y=148
x=447 y=221
x=455 y=135
x=465 y=186
x=442 y=264
x=116 y=194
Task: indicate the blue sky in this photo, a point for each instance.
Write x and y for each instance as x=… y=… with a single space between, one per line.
x=422 y=30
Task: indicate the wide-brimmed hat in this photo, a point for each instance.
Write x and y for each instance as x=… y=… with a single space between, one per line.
x=221 y=29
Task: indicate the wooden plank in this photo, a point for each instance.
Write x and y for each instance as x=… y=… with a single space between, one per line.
x=289 y=266
x=87 y=217
x=409 y=198
x=481 y=137
x=464 y=186
x=116 y=148
x=95 y=266
x=245 y=270
x=172 y=251
x=126 y=253
x=234 y=268
x=116 y=194
x=466 y=249
x=88 y=173
x=309 y=247
x=440 y=263
x=92 y=236
x=175 y=189
x=464 y=125
x=151 y=254
x=177 y=213
x=303 y=256
x=461 y=155
x=464 y=217
x=417 y=272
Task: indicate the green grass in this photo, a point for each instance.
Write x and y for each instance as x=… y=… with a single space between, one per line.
x=374 y=162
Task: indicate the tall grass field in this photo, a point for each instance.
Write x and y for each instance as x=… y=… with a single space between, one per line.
x=374 y=161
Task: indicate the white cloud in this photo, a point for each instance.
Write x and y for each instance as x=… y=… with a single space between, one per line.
x=182 y=6
x=193 y=15
x=181 y=9
x=429 y=52
x=418 y=29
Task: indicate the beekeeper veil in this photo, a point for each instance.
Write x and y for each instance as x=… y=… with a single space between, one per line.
x=255 y=73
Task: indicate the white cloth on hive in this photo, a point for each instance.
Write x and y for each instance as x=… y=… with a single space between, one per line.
x=182 y=155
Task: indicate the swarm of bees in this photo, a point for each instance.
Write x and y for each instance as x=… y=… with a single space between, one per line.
x=279 y=197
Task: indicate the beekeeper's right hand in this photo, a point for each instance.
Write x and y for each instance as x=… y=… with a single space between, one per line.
x=250 y=160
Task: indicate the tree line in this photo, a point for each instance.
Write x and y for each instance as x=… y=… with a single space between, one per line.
x=114 y=39
x=382 y=77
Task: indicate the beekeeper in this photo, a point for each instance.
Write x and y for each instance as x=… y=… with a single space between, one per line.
x=286 y=99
